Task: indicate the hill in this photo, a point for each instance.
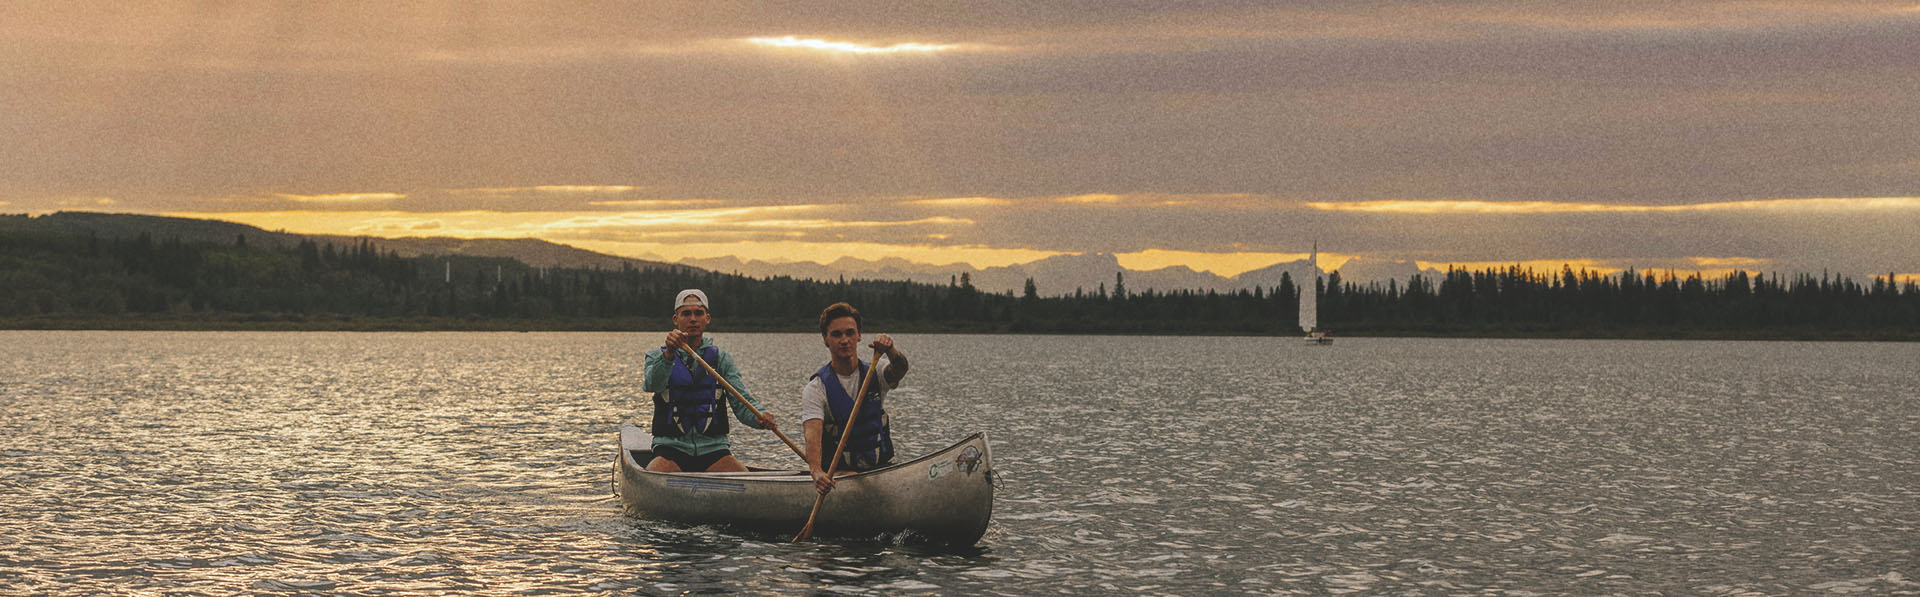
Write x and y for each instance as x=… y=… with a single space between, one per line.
x=112 y=225
x=531 y=251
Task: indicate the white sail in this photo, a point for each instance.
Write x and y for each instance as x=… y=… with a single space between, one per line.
x=1309 y=299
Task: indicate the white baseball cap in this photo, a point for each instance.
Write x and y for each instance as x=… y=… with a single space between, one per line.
x=690 y=296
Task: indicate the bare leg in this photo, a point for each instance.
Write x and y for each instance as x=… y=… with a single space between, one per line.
x=662 y=465
x=727 y=464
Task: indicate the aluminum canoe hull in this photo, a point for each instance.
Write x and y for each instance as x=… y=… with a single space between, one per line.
x=945 y=496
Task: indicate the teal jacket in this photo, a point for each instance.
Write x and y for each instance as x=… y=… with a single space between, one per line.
x=658 y=367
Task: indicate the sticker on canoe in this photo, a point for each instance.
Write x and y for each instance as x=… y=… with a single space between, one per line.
x=699 y=485
x=939 y=468
x=968 y=460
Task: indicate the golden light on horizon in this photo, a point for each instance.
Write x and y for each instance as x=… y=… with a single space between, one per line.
x=1544 y=266
x=793 y=233
x=654 y=202
x=738 y=226
x=847 y=47
x=341 y=197
x=1222 y=264
x=1727 y=261
x=548 y=189
x=572 y=188
x=818 y=252
x=826 y=224
x=1717 y=267
x=1090 y=198
x=1447 y=206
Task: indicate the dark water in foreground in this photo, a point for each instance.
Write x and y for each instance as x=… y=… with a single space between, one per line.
x=356 y=463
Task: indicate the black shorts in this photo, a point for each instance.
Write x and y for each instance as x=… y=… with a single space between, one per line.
x=689 y=463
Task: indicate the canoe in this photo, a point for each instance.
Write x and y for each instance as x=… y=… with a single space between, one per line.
x=946 y=496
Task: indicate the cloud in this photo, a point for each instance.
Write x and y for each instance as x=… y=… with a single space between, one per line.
x=786 y=251
x=1728 y=261
x=1550 y=207
x=86 y=202
x=1090 y=198
x=960 y=202
x=553 y=189
x=823 y=224
x=646 y=203
x=342 y=197
x=845 y=47
x=1626 y=132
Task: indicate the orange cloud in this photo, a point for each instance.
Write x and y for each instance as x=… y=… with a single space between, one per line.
x=825 y=223
x=1551 y=207
x=342 y=197
x=960 y=202
x=847 y=47
x=706 y=224
x=791 y=251
x=1727 y=261
x=1090 y=198
x=654 y=203
x=558 y=188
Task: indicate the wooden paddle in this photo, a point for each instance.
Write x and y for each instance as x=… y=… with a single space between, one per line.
x=845 y=433
x=743 y=397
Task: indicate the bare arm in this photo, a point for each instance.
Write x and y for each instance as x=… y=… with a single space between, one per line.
x=821 y=482
x=896 y=360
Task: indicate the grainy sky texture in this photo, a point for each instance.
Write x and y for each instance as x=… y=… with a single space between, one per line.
x=1768 y=136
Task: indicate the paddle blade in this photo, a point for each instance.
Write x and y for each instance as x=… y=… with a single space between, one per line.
x=807 y=531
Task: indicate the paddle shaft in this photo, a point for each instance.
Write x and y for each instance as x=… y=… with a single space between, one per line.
x=743 y=397
x=845 y=433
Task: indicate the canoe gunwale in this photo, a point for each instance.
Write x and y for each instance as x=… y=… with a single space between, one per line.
x=763 y=474
x=936 y=495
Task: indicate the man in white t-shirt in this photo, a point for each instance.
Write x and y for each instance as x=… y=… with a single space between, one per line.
x=826 y=403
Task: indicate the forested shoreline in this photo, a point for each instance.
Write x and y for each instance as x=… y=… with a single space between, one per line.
x=59 y=280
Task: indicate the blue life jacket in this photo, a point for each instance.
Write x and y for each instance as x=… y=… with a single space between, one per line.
x=870 y=445
x=691 y=404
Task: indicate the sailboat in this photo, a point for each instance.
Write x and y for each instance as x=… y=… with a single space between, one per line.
x=1310 y=301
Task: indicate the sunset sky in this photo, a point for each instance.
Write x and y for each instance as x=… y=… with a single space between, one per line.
x=1225 y=136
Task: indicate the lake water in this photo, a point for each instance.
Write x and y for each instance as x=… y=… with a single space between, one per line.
x=368 y=463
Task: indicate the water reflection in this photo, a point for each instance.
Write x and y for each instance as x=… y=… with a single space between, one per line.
x=479 y=463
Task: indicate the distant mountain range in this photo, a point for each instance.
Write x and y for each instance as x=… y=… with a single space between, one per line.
x=1062 y=274
x=1052 y=276
x=531 y=251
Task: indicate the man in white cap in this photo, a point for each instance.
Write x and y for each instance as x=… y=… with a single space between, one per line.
x=689 y=405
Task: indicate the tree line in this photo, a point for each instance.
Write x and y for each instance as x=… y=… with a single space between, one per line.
x=73 y=280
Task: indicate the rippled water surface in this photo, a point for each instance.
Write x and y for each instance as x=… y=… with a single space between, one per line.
x=353 y=463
